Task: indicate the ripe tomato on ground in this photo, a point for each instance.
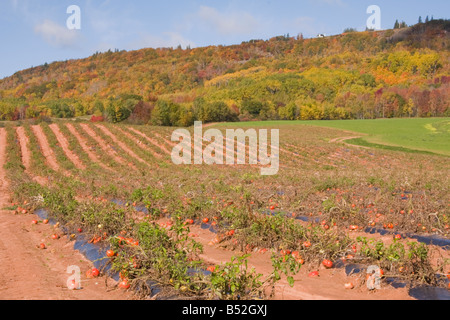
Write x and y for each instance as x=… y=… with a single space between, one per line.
x=327 y=263
x=313 y=274
x=124 y=284
x=92 y=273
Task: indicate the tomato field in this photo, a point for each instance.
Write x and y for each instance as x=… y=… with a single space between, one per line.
x=312 y=231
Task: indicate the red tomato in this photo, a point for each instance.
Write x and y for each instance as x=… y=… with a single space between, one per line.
x=92 y=273
x=42 y=246
x=313 y=274
x=45 y=221
x=55 y=237
x=124 y=284
x=307 y=244
x=211 y=268
x=80 y=230
x=206 y=220
x=110 y=253
x=349 y=286
x=398 y=237
x=34 y=222
x=327 y=263
x=231 y=233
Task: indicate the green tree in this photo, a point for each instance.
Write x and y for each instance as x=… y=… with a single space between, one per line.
x=396 y=25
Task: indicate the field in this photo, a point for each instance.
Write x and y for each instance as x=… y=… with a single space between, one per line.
x=227 y=232
x=411 y=135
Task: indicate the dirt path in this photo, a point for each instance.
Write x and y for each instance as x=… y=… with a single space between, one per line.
x=29 y=273
x=94 y=158
x=65 y=146
x=103 y=144
x=122 y=145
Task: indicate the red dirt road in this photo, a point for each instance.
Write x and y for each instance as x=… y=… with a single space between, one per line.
x=29 y=273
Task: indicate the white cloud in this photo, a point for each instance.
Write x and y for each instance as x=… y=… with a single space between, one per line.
x=229 y=23
x=57 y=35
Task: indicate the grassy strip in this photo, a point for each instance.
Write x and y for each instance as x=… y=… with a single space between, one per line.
x=364 y=143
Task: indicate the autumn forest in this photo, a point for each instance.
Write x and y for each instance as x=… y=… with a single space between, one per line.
x=403 y=72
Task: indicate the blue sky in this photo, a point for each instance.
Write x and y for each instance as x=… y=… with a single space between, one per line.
x=34 y=31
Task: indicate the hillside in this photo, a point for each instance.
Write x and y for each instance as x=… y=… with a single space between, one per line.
x=393 y=73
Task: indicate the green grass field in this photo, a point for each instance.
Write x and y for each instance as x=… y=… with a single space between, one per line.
x=430 y=135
